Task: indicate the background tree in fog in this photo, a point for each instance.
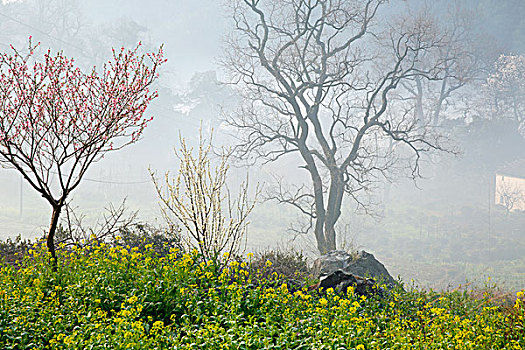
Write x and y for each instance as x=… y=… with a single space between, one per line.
x=510 y=195
x=505 y=91
x=466 y=60
x=322 y=79
x=55 y=120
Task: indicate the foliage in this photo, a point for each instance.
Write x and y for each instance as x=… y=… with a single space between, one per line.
x=143 y=235
x=199 y=202
x=108 y=297
x=12 y=250
x=290 y=264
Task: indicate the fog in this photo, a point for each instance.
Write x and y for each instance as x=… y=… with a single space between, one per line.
x=451 y=225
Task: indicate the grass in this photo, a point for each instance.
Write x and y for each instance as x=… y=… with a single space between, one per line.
x=133 y=298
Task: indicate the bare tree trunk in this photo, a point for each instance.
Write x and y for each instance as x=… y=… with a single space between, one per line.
x=329 y=230
x=439 y=105
x=320 y=215
x=333 y=208
x=51 y=235
x=319 y=236
x=420 y=115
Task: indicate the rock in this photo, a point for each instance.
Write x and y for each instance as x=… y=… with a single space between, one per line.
x=361 y=265
x=340 y=281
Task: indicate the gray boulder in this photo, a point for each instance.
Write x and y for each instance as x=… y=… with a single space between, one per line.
x=362 y=264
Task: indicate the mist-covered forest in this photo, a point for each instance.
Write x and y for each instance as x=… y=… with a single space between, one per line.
x=422 y=193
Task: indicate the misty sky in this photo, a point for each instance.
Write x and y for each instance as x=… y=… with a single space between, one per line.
x=191 y=31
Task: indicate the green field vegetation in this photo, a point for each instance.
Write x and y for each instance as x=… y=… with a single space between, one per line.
x=121 y=297
x=450 y=246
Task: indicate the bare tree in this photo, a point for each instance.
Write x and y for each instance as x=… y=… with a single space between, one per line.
x=510 y=195
x=466 y=60
x=504 y=89
x=319 y=79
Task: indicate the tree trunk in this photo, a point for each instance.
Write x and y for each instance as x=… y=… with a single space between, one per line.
x=330 y=234
x=319 y=203
x=319 y=231
x=439 y=104
x=319 y=237
x=326 y=218
x=420 y=115
x=333 y=208
x=51 y=235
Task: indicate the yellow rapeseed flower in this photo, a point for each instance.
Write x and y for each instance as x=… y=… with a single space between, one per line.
x=68 y=340
x=158 y=324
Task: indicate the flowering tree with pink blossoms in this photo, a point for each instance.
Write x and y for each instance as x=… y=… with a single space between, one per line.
x=56 y=120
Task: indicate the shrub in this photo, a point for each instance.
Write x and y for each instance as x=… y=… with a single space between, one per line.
x=198 y=202
x=290 y=264
x=13 y=250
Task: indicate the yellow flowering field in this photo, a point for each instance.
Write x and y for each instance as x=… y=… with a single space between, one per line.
x=106 y=297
